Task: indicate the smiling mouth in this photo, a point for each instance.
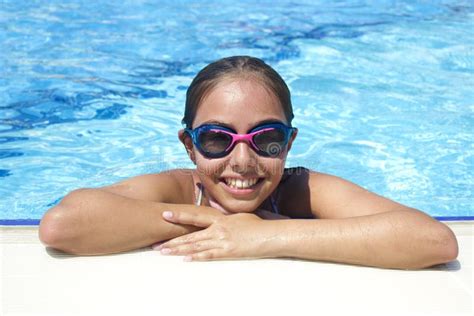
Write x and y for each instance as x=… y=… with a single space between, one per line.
x=239 y=184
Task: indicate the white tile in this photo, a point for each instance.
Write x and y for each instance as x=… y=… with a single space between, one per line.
x=38 y=282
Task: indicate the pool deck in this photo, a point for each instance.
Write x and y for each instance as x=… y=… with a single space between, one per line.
x=40 y=281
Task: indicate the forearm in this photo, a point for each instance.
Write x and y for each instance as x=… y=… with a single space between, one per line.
x=399 y=239
x=92 y=221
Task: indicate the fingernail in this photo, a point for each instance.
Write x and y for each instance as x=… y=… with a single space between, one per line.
x=168 y=214
x=165 y=251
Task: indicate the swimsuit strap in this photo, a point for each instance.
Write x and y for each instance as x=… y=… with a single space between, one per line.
x=274 y=197
x=199 y=198
x=274 y=204
x=199 y=192
x=198 y=188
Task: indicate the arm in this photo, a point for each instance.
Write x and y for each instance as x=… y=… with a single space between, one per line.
x=361 y=227
x=114 y=219
x=398 y=239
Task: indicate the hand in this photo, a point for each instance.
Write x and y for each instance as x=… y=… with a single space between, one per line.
x=242 y=235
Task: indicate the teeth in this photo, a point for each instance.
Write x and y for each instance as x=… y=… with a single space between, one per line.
x=240 y=184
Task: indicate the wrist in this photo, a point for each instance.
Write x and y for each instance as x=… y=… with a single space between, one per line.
x=275 y=239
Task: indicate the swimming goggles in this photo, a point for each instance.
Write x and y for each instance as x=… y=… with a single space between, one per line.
x=216 y=141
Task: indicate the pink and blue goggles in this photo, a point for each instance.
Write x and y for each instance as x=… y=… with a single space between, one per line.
x=216 y=141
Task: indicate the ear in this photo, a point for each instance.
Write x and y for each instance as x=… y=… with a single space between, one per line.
x=188 y=144
x=292 y=138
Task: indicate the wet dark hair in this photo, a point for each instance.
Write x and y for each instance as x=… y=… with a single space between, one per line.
x=235 y=66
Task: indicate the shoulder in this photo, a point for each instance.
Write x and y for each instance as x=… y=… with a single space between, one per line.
x=314 y=194
x=171 y=186
x=309 y=194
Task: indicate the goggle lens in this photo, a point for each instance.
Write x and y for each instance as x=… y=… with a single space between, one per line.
x=214 y=141
x=271 y=142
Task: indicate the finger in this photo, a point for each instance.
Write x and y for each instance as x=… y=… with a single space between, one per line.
x=189 y=218
x=188 y=238
x=207 y=255
x=157 y=246
x=190 y=248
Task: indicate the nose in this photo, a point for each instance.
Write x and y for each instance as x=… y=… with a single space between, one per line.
x=242 y=157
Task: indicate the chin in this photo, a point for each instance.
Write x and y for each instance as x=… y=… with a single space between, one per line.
x=235 y=209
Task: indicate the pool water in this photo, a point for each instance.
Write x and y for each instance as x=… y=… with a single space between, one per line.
x=92 y=93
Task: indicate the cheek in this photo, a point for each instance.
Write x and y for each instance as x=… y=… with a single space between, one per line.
x=273 y=167
x=209 y=167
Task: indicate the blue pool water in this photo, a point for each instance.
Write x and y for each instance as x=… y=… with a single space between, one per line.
x=92 y=93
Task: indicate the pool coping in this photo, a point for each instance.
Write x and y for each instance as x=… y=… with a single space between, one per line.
x=40 y=281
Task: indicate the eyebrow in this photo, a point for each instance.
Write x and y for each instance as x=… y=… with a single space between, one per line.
x=267 y=121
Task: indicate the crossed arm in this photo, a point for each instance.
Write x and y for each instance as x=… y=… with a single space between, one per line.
x=382 y=233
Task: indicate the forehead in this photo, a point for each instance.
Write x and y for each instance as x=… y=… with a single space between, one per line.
x=239 y=103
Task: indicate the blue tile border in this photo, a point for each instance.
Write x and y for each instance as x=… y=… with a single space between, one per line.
x=19 y=222
x=35 y=222
x=454 y=218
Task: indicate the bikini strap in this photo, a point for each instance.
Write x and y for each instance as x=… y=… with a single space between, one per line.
x=198 y=188
x=199 y=198
x=198 y=195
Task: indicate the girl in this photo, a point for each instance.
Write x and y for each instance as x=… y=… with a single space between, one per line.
x=238 y=133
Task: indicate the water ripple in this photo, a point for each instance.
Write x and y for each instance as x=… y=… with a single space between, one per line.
x=93 y=92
